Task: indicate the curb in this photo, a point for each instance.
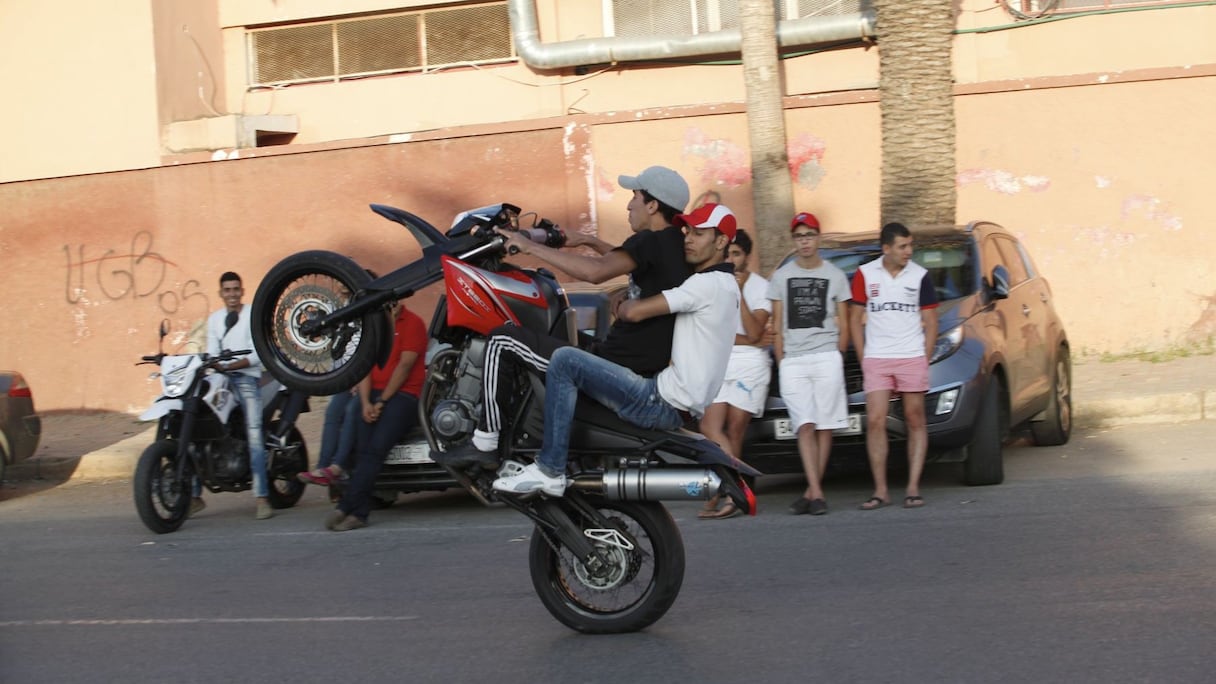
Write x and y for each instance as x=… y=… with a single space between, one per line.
x=117 y=461
x=1179 y=407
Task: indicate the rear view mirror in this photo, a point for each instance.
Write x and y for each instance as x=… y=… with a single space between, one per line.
x=1000 y=282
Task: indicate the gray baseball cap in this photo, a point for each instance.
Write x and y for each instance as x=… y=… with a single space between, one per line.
x=662 y=183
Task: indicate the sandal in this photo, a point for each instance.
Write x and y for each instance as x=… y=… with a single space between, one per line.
x=709 y=511
x=914 y=501
x=873 y=503
x=730 y=510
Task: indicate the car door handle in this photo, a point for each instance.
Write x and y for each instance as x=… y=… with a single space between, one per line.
x=1043 y=297
x=1025 y=310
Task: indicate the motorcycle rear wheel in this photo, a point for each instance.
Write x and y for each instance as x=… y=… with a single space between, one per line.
x=285 y=488
x=162 y=500
x=637 y=586
x=308 y=286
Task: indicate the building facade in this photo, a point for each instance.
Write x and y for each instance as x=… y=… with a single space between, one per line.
x=150 y=145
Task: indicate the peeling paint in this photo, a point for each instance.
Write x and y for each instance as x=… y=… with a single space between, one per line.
x=806 y=160
x=725 y=162
x=400 y=137
x=1152 y=208
x=1102 y=182
x=1003 y=182
x=729 y=164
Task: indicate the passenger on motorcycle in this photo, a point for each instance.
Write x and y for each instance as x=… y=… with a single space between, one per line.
x=707 y=312
x=654 y=259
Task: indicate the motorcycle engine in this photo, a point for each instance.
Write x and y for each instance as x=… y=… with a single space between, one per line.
x=453 y=418
x=229 y=461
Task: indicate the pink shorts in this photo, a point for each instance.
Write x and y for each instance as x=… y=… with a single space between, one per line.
x=897 y=375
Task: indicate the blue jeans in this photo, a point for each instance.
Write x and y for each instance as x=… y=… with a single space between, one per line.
x=633 y=398
x=247 y=390
x=340 y=429
x=397 y=418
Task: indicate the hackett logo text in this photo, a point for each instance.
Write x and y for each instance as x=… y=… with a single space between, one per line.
x=894 y=306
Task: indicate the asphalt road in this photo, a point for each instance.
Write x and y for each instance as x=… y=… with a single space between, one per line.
x=1095 y=561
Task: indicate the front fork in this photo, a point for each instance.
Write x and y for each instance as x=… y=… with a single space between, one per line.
x=189 y=415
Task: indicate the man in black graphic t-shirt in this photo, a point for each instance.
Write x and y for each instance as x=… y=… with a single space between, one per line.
x=654 y=259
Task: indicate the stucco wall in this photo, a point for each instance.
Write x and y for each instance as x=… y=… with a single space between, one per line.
x=1111 y=205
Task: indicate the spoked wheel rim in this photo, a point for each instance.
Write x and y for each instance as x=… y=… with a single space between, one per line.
x=310 y=297
x=169 y=495
x=627 y=576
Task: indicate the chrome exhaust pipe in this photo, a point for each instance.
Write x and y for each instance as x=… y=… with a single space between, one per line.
x=660 y=484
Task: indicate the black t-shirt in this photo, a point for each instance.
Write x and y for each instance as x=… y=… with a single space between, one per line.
x=645 y=347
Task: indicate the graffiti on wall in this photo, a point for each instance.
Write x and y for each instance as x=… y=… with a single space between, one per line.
x=141 y=275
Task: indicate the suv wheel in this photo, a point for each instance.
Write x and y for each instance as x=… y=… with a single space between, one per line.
x=985 y=464
x=1056 y=428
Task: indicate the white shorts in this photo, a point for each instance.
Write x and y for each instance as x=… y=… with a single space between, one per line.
x=747 y=378
x=812 y=386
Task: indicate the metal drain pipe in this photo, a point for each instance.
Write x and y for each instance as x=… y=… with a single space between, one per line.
x=805 y=32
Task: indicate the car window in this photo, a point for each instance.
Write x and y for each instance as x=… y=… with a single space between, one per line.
x=1030 y=267
x=949 y=262
x=1012 y=258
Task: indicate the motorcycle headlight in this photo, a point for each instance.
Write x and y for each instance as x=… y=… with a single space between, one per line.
x=176 y=381
x=947 y=343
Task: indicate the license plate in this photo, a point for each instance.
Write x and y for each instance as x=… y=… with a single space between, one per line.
x=410 y=452
x=784 y=431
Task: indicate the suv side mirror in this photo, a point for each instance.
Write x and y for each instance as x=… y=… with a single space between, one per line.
x=1000 y=282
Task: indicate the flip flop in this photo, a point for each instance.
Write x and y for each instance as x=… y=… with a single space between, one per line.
x=914 y=501
x=730 y=510
x=873 y=504
x=709 y=510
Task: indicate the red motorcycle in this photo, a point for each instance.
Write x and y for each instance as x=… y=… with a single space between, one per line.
x=607 y=556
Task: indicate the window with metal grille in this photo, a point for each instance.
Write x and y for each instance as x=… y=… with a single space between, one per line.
x=637 y=18
x=385 y=44
x=1033 y=9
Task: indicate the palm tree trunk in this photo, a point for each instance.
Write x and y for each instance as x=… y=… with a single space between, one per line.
x=916 y=100
x=772 y=189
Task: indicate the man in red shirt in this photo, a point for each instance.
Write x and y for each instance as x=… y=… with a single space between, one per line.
x=389 y=395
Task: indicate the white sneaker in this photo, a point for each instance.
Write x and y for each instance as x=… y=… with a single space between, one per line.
x=529 y=479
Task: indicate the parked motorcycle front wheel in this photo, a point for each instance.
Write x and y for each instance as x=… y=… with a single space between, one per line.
x=638 y=578
x=306 y=287
x=161 y=498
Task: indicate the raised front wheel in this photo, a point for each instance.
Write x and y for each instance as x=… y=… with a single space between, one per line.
x=297 y=293
x=633 y=580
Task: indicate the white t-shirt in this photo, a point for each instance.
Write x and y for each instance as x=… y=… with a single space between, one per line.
x=239 y=336
x=707 y=308
x=894 y=329
x=755 y=293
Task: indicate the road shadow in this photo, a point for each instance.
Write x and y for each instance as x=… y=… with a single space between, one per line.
x=66 y=437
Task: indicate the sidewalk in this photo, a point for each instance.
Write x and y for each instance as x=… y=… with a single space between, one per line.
x=105 y=446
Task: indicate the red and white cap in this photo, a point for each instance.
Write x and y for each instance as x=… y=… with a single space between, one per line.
x=710 y=216
x=805 y=218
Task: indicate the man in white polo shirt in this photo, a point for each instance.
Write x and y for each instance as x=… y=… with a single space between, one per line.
x=894 y=336
x=706 y=306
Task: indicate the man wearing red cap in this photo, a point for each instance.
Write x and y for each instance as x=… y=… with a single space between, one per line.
x=706 y=307
x=810 y=313
x=654 y=259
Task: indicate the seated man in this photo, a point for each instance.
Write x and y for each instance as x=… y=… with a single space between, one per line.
x=707 y=310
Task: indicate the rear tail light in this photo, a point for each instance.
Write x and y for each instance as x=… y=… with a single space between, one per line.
x=19 y=388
